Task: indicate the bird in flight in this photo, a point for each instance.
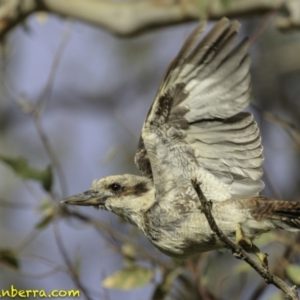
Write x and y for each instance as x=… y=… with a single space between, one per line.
x=196 y=130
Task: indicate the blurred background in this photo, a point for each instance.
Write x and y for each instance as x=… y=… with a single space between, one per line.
x=74 y=97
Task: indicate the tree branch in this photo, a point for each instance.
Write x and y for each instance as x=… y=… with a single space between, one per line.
x=290 y=293
x=102 y=227
x=133 y=17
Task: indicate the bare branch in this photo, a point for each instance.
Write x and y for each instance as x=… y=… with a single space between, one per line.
x=35 y=111
x=293 y=20
x=67 y=260
x=290 y=293
x=41 y=104
x=133 y=17
x=109 y=230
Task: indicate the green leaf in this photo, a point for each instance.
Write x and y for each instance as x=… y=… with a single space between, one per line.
x=48 y=210
x=129 y=255
x=23 y=170
x=293 y=272
x=47 y=180
x=225 y=3
x=44 y=222
x=129 y=251
x=129 y=278
x=9 y=258
x=203 y=9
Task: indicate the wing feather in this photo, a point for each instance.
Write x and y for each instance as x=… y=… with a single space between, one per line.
x=203 y=94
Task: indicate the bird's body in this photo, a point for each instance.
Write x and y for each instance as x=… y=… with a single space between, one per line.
x=195 y=131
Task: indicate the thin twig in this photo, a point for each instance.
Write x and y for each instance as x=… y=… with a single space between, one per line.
x=53 y=158
x=67 y=260
x=55 y=267
x=290 y=292
x=27 y=240
x=39 y=275
x=278 y=270
x=46 y=92
x=35 y=111
x=41 y=105
x=265 y=22
x=109 y=230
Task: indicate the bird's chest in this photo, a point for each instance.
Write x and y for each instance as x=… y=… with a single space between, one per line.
x=176 y=232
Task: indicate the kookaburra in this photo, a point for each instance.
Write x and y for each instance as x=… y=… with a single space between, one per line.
x=196 y=130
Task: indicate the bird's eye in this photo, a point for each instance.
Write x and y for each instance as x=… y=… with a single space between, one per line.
x=115 y=187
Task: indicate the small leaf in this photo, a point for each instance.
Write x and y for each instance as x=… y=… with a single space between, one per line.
x=23 y=170
x=44 y=222
x=47 y=180
x=129 y=254
x=203 y=9
x=129 y=251
x=9 y=258
x=225 y=3
x=48 y=210
x=293 y=272
x=46 y=206
x=129 y=278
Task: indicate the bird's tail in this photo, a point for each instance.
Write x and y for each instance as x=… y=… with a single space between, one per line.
x=283 y=214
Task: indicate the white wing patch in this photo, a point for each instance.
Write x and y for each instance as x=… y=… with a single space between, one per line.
x=231 y=151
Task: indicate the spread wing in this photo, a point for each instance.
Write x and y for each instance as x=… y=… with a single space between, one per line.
x=203 y=94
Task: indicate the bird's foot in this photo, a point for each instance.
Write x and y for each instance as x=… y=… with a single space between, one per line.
x=261 y=256
x=240 y=238
x=247 y=244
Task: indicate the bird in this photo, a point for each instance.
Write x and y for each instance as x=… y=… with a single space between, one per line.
x=197 y=131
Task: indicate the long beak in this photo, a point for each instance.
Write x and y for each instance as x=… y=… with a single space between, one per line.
x=87 y=198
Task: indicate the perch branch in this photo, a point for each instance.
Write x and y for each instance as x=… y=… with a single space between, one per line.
x=290 y=292
x=132 y=17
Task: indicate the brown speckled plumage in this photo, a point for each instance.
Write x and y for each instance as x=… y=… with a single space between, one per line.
x=262 y=208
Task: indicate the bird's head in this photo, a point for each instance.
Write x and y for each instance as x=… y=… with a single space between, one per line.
x=126 y=195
